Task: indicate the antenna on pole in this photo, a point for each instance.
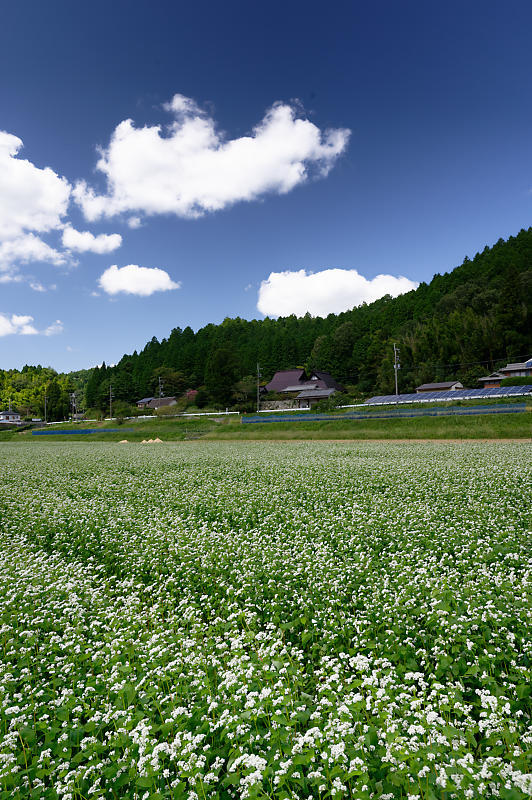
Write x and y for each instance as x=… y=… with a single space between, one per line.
x=396 y=365
x=258 y=387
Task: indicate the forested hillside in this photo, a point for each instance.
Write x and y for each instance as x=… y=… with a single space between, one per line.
x=460 y=325
x=27 y=388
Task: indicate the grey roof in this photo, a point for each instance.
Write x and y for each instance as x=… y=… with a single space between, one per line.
x=144 y=400
x=317 y=392
x=495 y=376
x=517 y=366
x=442 y=385
x=297 y=388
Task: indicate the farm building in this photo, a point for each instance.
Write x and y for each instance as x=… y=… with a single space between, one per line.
x=156 y=402
x=311 y=396
x=443 y=386
x=10 y=417
x=293 y=381
x=517 y=370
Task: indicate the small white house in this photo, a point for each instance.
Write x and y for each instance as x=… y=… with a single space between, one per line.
x=10 y=417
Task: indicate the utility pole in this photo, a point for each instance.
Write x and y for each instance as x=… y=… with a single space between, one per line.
x=396 y=366
x=110 y=401
x=73 y=405
x=258 y=387
x=161 y=387
x=45 y=409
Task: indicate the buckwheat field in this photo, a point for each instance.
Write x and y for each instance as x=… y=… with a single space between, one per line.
x=297 y=620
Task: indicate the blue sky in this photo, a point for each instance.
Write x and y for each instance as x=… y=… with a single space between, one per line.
x=302 y=151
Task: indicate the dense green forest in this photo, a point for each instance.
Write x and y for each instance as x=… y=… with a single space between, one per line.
x=27 y=389
x=460 y=325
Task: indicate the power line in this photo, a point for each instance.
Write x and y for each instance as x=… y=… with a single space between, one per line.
x=487 y=362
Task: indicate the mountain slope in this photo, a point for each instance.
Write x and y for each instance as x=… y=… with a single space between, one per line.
x=459 y=325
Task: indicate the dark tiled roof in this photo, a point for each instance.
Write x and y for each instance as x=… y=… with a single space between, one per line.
x=158 y=402
x=327 y=380
x=284 y=378
x=144 y=400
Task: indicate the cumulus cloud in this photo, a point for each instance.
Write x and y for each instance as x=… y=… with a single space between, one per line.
x=22 y=325
x=325 y=292
x=33 y=201
x=28 y=247
x=132 y=279
x=189 y=168
x=87 y=242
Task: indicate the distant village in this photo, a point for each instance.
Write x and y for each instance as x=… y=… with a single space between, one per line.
x=295 y=389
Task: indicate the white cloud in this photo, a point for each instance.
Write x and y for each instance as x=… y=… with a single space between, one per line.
x=22 y=325
x=31 y=199
x=28 y=247
x=190 y=168
x=55 y=327
x=16 y=323
x=87 y=242
x=325 y=292
x=132 y=279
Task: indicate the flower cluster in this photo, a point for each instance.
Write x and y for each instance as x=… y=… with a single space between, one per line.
x=218 y=620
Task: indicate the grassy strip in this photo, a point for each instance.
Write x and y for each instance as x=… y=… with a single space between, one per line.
x=495 y=426
x=511 y=426
x=500 y=426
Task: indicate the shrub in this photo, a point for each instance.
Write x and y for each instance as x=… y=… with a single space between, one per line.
x=521 y=380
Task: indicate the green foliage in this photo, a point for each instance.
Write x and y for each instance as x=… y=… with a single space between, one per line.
x=221 y=372
x=520 y=380
x=26 y=389
x=245 y=389
x=174 y=382
x=202 y=397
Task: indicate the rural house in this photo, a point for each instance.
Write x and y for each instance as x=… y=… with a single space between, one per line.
x=10 y=417
x=443 y=386
x=293 y=381
x=156 y=402
x=311 y=396
x=516 y=370
x=305 y=390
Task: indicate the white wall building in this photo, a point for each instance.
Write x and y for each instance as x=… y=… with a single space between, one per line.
x=10 y=417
